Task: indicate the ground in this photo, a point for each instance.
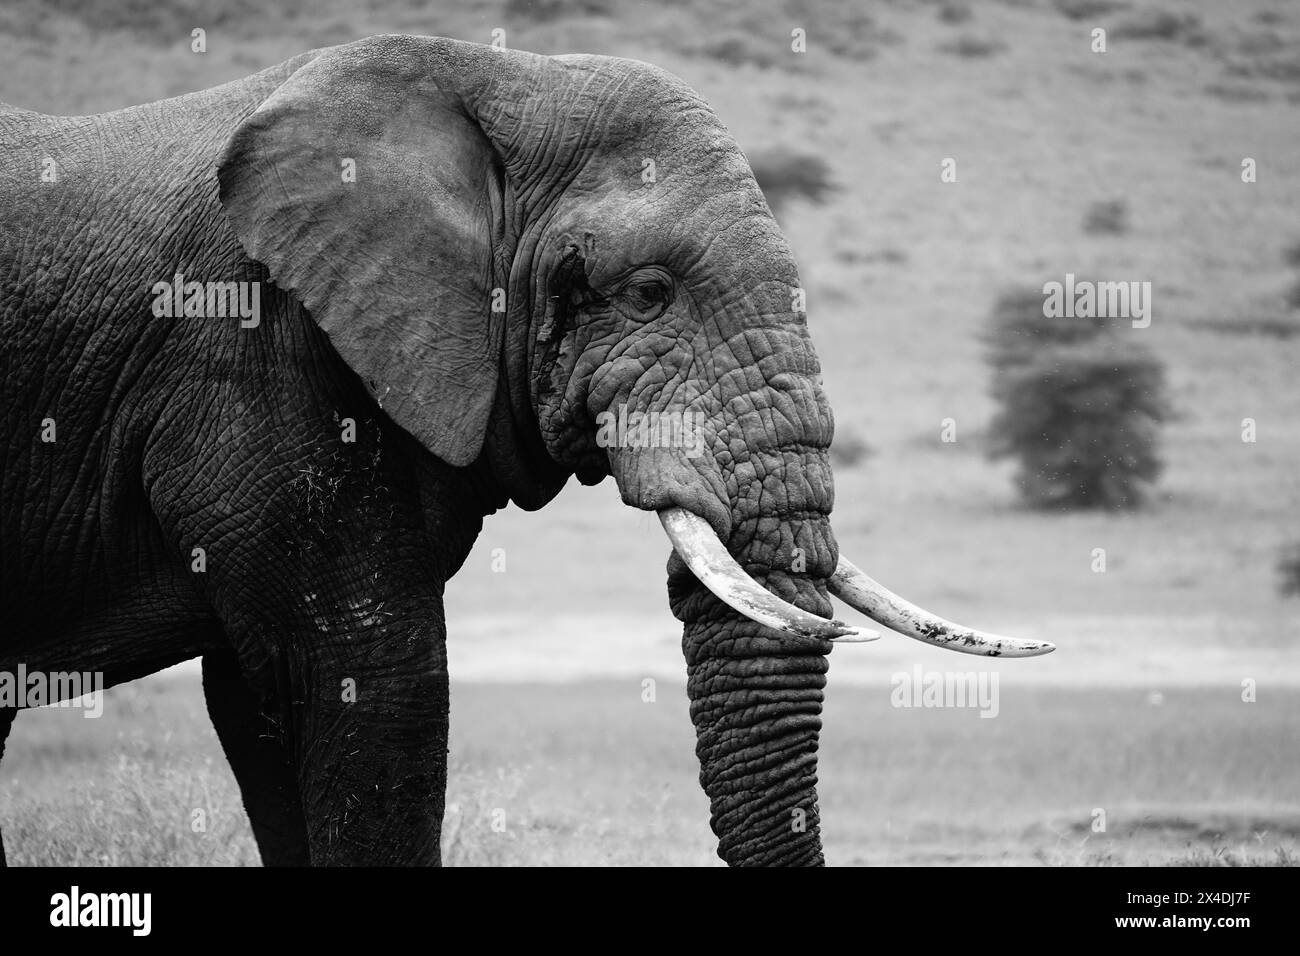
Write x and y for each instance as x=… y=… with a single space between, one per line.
x=590 y=773
x=1140 y=713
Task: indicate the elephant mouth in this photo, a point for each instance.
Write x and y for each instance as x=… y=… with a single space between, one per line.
x=707 y=557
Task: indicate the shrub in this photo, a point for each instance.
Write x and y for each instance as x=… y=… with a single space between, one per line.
x=1109 y=218
x=1266 y=326
x=972 y=47
x=783 y=175
x=1019 y=332
x=1292 y=296
x=1152 y=24
x=1079 y=406
x=738 y=48
x=1088 y=9
x=544 y=11
x=954 y=12
x=1288 y=569
x=849 y=448
x=1291 y=254
x=1238 y=93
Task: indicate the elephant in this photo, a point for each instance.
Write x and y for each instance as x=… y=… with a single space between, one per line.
x=272 y=352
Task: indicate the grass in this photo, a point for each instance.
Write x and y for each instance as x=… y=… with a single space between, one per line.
x=1223 y=856
x=588 y=774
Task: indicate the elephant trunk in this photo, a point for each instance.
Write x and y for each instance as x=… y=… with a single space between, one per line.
x=757 y=714
x=755 y=692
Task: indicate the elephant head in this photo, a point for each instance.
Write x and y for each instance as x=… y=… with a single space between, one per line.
x=515 y=251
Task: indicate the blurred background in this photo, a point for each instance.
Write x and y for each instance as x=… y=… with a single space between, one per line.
x=1150 y=534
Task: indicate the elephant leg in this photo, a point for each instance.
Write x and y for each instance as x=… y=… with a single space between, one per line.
x=260 y=761
x=372 y=745
x=361 y=705
x=332 y=601
x=6 y=721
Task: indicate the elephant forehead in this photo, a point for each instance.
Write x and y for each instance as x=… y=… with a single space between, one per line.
x=634 y=103
x=704 y=234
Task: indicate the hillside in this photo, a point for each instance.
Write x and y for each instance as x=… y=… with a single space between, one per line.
x=902 y=269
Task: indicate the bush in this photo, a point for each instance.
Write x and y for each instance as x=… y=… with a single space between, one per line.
x=1291 y=254
x=849 y=448
x=784 y=175
x=1020 y=333
x=1109 y=218
x=1288 y=569
x=544 y=11
x=955 y=12
x=972 y=47
x=1151 y=24
x=1274 y=328
x=1088 y=9
x=1079 y=406
x=739 y=48
x=1292 y=296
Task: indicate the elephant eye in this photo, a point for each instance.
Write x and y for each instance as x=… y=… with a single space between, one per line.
x=648 y=297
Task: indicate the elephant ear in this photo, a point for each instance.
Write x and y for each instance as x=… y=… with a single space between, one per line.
x=365 y=186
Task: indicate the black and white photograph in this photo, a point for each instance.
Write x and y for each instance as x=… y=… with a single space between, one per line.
x=650 y=433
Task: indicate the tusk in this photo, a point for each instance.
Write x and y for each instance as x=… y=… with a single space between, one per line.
x=852 y=586
x=718 y=571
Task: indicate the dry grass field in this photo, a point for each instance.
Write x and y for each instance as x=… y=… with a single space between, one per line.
x=585 y=773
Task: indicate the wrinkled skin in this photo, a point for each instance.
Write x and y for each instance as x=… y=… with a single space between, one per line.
x=326 y=560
